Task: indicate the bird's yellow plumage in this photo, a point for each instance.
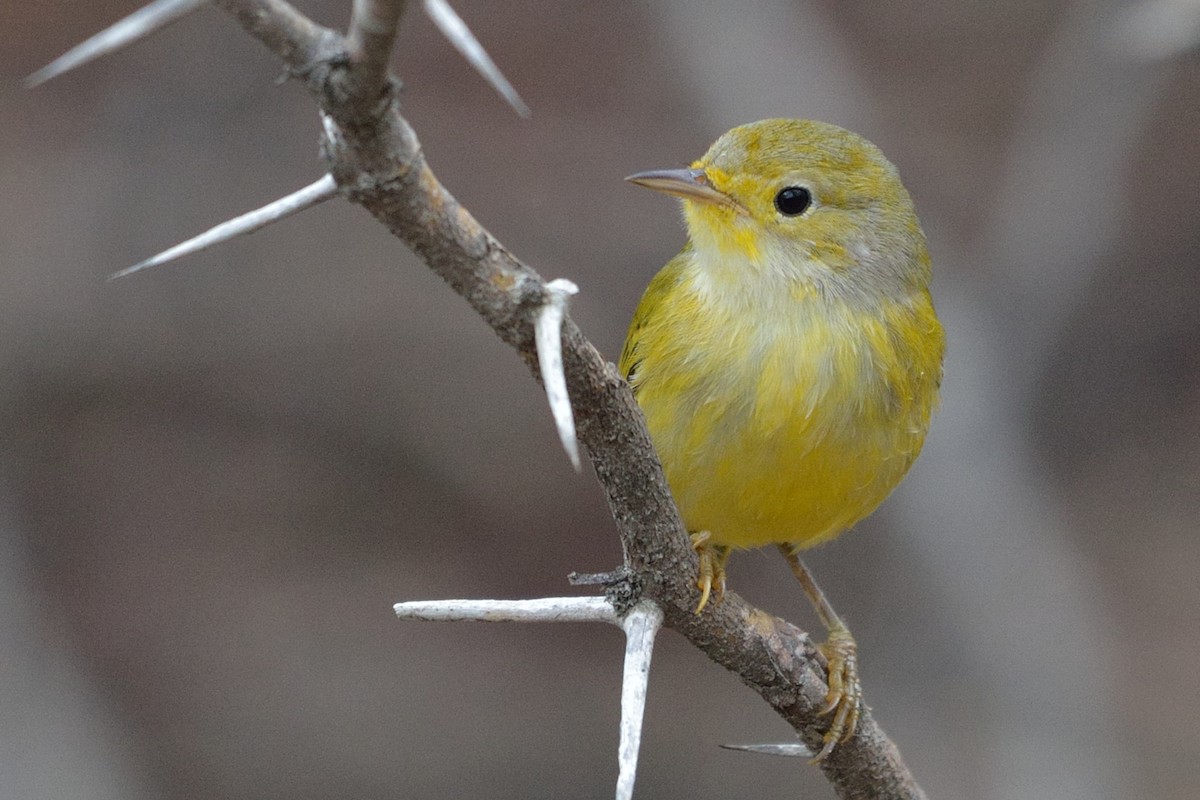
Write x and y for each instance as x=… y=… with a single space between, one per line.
x=788 y=359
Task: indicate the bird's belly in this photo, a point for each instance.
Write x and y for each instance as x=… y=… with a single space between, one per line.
x=792 y=446
x=760 y=490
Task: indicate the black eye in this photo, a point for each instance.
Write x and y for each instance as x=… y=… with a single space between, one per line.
x=793 y=200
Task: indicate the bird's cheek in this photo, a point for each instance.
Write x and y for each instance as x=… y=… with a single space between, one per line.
x=722 y=231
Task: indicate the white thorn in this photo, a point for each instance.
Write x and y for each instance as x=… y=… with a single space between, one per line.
x=249 y=222
x=547 y=609
x=332 y=132
x=140 y=23
x=454 y=29
x=548 y=335
x=789 y=749
x=640 y=625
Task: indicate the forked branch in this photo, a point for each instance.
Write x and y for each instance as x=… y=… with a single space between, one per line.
x=377 y=162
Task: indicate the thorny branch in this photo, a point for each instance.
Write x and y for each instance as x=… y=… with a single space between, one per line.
x=376 y=161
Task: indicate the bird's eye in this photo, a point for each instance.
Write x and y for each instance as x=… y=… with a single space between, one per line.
x=793 y=201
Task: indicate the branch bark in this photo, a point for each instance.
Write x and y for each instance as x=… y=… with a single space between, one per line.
x=376 y=159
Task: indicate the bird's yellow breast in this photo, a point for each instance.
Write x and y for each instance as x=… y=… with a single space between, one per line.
x=782 y=415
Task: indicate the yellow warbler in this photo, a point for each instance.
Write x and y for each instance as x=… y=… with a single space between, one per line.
x=788 y=359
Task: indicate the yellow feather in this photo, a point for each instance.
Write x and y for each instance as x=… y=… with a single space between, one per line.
x=788 y=368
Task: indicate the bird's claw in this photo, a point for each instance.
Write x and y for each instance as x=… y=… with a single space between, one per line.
x=844 y=699
x=712 y=568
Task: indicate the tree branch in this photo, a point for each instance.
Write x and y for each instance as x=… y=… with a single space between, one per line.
x=369 y=41
x=377 y=162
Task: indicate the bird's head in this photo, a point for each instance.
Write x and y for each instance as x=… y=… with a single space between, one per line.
x=800 y=200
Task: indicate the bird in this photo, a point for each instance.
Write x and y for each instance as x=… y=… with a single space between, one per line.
x=789 y=359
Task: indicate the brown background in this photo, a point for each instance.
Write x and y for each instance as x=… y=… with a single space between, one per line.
x=218 y=476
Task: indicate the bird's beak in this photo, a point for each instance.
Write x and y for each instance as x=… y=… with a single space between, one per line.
x=691 y=184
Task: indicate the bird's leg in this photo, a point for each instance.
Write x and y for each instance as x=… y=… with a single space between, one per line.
x=844 y=699
x=712 y=567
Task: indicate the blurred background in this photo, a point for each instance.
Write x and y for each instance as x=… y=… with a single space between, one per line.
x=219 y=475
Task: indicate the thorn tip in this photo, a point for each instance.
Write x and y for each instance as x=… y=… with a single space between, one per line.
x=284 y=207
x=143 y=22
x=456 y=31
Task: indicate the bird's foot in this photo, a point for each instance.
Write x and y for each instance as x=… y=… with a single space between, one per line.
x=712 y=568
x=844 y=699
